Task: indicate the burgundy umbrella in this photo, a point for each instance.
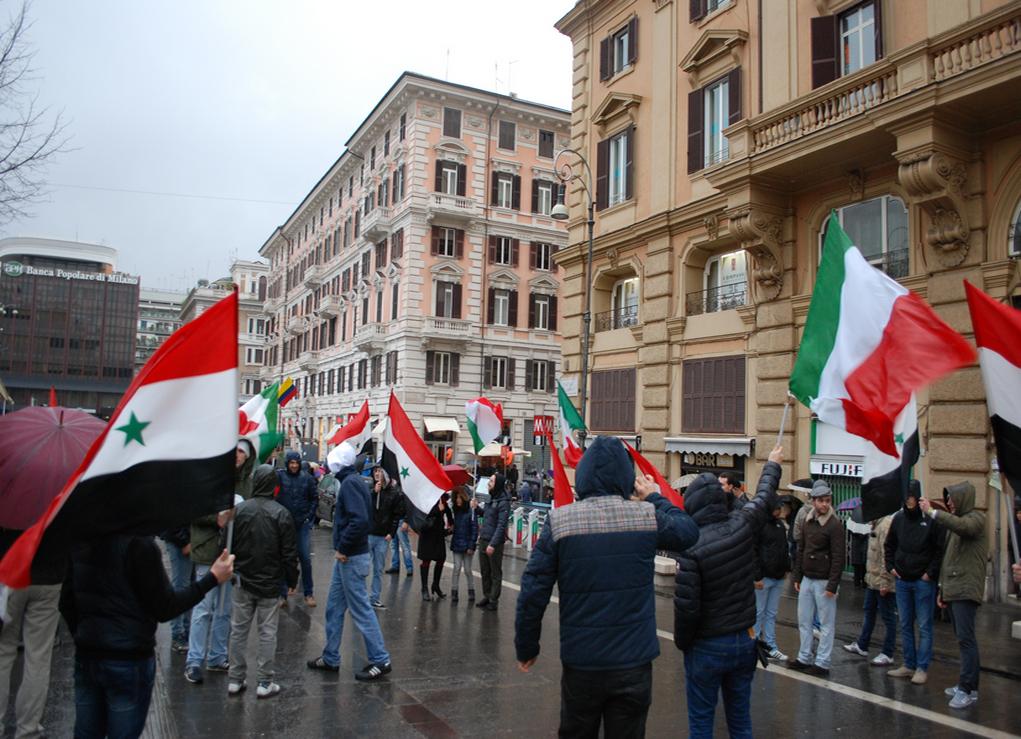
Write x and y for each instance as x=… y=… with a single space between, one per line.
x=40 y=448
x=458 y=475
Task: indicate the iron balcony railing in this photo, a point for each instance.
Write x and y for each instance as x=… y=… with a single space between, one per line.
x=715 y=299
x=623 y=317
x=894 y=263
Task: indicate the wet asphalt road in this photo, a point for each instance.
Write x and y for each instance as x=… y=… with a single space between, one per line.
x=455 y=675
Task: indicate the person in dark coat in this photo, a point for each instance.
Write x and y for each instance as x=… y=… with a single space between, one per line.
x=859 y=546
x=177 y=542
x=299 y=494
x=714 y=602
x=432 y=545
x=462 y=541
x=772 y=563
x=387 y=510
x=600 y=552
x=492 y=536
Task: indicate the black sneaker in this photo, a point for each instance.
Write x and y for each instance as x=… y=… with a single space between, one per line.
x=818 y=671
x=373 y=672
x=393 y=571
x=794 y=664
x=378 y=605
x=193 y=675
x=320 y=664
x=221 y=667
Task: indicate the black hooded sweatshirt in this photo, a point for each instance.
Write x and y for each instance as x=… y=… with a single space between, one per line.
x=914 y=545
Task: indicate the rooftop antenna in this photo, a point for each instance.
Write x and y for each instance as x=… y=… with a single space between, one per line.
x=510 y=88
x=446 y=74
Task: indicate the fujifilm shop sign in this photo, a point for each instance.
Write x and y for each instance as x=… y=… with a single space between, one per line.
x=12 y=268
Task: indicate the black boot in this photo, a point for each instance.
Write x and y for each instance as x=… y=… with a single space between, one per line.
x=471 y=595
x=424 y=571
x=453 y=596
x=437 y=573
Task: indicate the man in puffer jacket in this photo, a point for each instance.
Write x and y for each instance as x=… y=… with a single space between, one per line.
x=714 y=603
x=600 y=551
x=299 y=494
x=962 y=579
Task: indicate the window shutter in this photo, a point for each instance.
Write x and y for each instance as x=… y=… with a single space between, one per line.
x=551 y=373
x=629 y=166
x=458 y=244
x=531 y=311
x=602 y=174
x=512 y=308
x=696 y=121
x=529 y=375
x=430 y=361
x=492 y=249
x=439 y=175
x=434 y=247
x=395 y=368
x=456 y=311
x=531 y=255
x=515 y=248
x=734 y=96
x=455 y=369
x=510 y=372
x=535 y=195
x=462 y=179
x=487 y=372
x=495 y=194
x=438 y=287
x=553 y=248
x=516 y=193
x=824 y=50
x=605 y=67
x=698 y=10
x=553 y=313
x=632 y=39
x=491 y=306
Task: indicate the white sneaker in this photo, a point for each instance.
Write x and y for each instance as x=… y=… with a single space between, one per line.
x=777 y=655
x=950 y=692
x=267 y=690
x=881 y=660
x=963 y=700
x=236 y=688
x=853 y=648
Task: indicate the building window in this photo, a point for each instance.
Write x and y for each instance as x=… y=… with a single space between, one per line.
x=447 y=242
x=365 y=310
x=394 y=294
x=612 y=400
x=386 y=143
x=398 y=184
x=377 y=370
x=546 y=139
x=391 y=368
x=713 y=395
x=442 y=368
x=397 y=244
x=498 y=372
x=614 y=165
x=506 y=191
x=507 y=135
x=858 y=38
x=452 y=123
x=539 y=376
x=542 y=197
x=403 y=125
x=619 y=50
x=450 y=178
x=381 y=255
x=701 y=8
x=710 y=110
x=844 y=43
x=256 y=326
x=379 y=305
x=503 y=250
x=879 y=228
x=725 y=285
x=623 y=311
x=448 y=299
x=542 y=312
x=716 y=116
x=366 y=263
x=501 y=307
x=363 y=367
x=542 y=257
x=372 y=158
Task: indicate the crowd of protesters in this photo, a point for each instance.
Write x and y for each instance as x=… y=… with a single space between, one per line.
x=734 y=555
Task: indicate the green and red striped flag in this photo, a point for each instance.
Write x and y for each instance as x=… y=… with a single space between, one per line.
x=258 y=422
x=570 y=421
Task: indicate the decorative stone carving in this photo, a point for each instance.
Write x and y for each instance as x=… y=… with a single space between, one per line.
x=474 y=122
x=526 y=134
x=612 y=257
x=761 y=236
x=856 y=184
x=935 y=181
x=712 y=226
x=429 y=112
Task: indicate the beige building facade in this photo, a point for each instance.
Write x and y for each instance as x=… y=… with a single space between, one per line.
x=721 y=134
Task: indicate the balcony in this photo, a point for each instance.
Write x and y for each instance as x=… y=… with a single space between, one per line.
x=271 y=305
x=447 y=328
x=716 y=299
x=330 y=306
x=894 y=263
x=296 y=324
x=308 y=361
x=370 y=336
x=453 y=206
x=314 y=275
x=376 y=224
x=268 y=374
x=624 y=317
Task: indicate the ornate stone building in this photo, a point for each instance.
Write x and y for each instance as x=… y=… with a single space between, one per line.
x=744 y=123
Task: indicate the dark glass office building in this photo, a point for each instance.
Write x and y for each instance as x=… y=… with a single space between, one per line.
x=67 y=320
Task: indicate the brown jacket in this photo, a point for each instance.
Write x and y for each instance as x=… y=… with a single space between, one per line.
x=876 y=576
x=821 y=551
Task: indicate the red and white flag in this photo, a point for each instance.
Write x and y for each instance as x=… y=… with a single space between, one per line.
x=646 y=467
x=356 y=431
x=408 y=460
x=167 y=455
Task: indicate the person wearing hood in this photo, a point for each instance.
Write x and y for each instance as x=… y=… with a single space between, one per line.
x=352 y=521
x=962 y=579
x=600 y=552
x=265 y=552
x=912 y=557
x=299 y=494
x=387 y=510
x=714 y=603
x=492 y=536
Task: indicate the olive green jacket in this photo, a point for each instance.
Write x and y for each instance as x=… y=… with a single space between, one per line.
x=205 y=533
x=963 y=574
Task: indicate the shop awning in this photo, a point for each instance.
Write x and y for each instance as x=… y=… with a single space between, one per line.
x=736 y=446
x=438 y=424
x=492 y=449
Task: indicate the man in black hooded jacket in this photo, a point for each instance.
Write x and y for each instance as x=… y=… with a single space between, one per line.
x=714 y=604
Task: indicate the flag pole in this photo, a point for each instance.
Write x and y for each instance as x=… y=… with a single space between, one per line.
x=783 y=420
x=1008 y=493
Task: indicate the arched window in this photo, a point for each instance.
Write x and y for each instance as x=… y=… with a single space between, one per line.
x=1014 y=233
x=724 y=285
x=624 y=303
x=879 y=228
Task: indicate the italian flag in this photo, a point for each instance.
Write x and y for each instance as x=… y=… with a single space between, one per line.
x=869 y=343
x=570 y=421
x=408 y=460
x=356 y=431
x=165 y=458
x=258 y=422
x=563 y=493
x=485 y=421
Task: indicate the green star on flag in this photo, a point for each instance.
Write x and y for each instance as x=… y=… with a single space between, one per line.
x=898 y=440
x=133 y=430
x=404 y=472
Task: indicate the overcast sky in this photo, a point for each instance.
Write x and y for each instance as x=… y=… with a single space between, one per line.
x=245 y=104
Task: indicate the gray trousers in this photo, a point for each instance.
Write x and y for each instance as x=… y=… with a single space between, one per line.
x=33 y=619
x=491 y=569
x=462 y=560
x=265 y=612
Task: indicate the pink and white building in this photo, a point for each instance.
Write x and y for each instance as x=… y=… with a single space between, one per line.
x=424 y=261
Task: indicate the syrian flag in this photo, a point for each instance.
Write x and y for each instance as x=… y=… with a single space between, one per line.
x=356 y=431
x=885 y=478
x=647 y=468
x=485 y=421
x=258 y=422
x=167 y=455
x=869 y=344
x=562 y=492
x=408 y=460
x=570 y=421
x=998 y=335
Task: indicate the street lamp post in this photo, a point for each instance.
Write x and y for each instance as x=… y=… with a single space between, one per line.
x=566 y=174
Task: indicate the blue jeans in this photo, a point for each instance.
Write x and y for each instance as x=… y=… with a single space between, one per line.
x=303 y=535
x=111 y=696
x=378 y=547
x=720 y=662
x=348 y=593
x=813 y=603
x=888 y=610
x=180 y=576
x=205 y=611
x=767 y=601
x=916 y=601
x=399 y=541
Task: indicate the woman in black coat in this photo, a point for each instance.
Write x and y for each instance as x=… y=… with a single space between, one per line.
x=432 y=546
